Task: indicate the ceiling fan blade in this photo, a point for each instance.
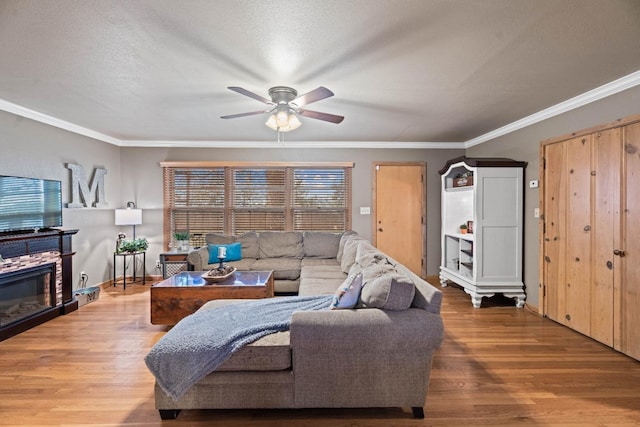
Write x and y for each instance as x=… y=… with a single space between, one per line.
x=321 y=116
x=245 y=92
x=313 y=96
x=252 y=113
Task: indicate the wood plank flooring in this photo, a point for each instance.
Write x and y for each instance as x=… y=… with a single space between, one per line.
x=498 y=366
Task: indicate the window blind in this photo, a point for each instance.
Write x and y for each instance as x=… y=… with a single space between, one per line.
x=236 y=199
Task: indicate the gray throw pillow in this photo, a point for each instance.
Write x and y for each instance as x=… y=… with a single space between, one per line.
x=391 y=291
x=343 y=239
x=320 y=245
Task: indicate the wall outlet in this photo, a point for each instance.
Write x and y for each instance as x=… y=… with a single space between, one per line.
x=158 y=265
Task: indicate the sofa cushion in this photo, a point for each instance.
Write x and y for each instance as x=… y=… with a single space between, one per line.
x=390 y=291
x=349 y=252
x=269 y=353
x=278 y=244
x=320 y=245
x=233 y=252
x=347 y=294
x=283 y=268
x=322 y=272
x=367 y=254
x=244 y=264
x=219 y=239
x=315 y=286
x=315 y=262
x=343 y=239
x=250 y=245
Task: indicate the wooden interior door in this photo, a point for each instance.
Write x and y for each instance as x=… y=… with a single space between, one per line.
x=629 y=299
x=578 y=255
x=399 y=217
x=554 y=234
x=606 y=231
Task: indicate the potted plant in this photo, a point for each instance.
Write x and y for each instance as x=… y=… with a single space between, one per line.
x=132 y=246
x=182 y=240
x=463 y=229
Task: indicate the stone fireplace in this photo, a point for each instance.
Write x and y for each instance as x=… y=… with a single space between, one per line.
x=35 y=279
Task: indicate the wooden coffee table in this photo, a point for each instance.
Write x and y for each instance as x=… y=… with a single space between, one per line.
x=182 y=294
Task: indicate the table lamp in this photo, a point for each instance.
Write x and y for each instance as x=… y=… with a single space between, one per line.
x=129 y=216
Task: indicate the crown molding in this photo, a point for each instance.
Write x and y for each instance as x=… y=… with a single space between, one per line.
x=611 y=88
x=294 y=144
x=21 y=111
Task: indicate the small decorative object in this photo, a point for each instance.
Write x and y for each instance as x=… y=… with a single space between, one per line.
x=182 y=240
x=218 y=274
x=470 y=227
x=463 y=229
x=222 y=254
x=131 y=246
x=463 y=180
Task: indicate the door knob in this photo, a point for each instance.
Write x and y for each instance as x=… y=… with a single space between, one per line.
x=379 y=229
x=619 y=252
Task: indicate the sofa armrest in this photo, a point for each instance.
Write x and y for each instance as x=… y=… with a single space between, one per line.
x=364 y=357
x=199 y=258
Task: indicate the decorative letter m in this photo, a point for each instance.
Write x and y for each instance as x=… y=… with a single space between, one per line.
x=79 y=185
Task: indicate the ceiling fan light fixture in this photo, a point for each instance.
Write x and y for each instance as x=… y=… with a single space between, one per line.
x=283 y=120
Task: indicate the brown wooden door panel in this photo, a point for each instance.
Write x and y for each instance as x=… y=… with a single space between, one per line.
x=555 y=188
x=578 y=257
x=606 y=203
x=630 y=263
x=400 y=195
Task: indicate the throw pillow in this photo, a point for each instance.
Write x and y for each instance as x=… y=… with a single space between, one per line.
x=348 y=293
x=234 y=252
x=391 y=291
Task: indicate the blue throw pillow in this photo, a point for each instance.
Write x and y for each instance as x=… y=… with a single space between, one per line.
x=234 y=252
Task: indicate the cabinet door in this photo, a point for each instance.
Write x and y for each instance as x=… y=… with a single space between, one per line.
x=578 y=255
x=607 y=156
x=629 y=302
x=555 y=231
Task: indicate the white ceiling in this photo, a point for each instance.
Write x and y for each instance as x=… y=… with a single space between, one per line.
x=155 y=72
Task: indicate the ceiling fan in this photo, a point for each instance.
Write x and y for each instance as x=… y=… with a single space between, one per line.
x=284 y=107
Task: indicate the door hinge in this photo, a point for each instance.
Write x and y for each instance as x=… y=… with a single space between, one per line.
x=377 y=167
x=544 y=163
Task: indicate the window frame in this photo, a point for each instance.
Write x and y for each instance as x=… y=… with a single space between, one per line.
x=289 y=211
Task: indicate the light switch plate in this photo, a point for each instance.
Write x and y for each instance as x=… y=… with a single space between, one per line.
x=365 y=210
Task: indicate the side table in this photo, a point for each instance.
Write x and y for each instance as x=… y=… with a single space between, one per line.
x=174 y=262
x=124 y=256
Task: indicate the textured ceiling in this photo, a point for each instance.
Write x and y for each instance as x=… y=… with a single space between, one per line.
x=401 y=70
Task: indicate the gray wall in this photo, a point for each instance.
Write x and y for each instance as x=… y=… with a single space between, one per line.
x=32 y=149
x=524 y=145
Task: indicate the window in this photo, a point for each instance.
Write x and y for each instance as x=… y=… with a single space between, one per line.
x=241 y=197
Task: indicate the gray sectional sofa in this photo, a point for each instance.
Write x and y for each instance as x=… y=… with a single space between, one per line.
x=377 y=354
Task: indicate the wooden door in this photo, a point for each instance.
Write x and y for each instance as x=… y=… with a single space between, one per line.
x=554 y=231
x=606 y=231
x=399 y=215
x=629 y=295
x=578 y=234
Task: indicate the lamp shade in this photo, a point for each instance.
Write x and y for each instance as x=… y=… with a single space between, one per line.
x=128 y=216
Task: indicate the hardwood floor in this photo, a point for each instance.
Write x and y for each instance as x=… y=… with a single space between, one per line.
x=498 y=366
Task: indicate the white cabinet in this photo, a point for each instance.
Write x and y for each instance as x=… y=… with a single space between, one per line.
x=486 y=195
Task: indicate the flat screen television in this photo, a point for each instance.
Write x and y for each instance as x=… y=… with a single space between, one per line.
x=29 y=203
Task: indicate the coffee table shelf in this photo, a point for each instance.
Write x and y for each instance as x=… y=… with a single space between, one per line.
x=183 y=294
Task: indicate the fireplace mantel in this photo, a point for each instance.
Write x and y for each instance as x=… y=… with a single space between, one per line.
x=14 y=246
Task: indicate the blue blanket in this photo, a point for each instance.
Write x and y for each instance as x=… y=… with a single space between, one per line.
x=199 y=343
